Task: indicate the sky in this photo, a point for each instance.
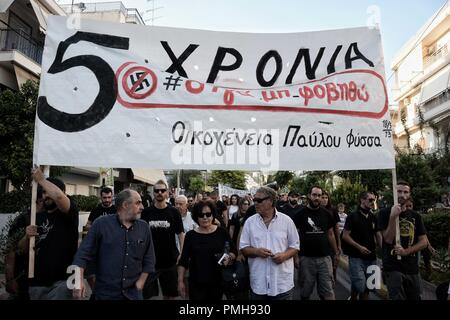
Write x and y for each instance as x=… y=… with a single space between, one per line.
x=399 y=19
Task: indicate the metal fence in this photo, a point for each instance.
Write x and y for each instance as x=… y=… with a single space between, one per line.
x=11 y=39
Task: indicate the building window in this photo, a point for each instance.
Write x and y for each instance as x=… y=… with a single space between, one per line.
x=94 y=191
x=71 y=189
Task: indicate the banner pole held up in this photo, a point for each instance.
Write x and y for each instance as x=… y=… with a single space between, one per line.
x=397 y=223
x=32 y=222
x=34 y=187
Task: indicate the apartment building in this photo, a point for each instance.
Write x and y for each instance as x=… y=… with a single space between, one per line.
x=421 y=91
x=23 y=25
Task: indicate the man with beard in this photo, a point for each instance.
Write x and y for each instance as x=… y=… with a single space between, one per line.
x=292 y=207
x=361 y=237
x=315 y=225
x=165 y=223
x=122 y=248
x=103 y=209
x=56 y=233
x=402 y=275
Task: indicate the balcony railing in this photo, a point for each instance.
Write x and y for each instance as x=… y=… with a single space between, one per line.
x=11 y=39
x=440 y=53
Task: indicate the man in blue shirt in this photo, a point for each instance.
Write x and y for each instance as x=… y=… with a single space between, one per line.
x=121 y=247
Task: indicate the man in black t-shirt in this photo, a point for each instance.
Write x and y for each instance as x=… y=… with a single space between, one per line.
x=165 y=222
x=16 y=258
x=359 y=239
x=402 y=275
x=315 y=225
x=56 y=233
x=103 y=209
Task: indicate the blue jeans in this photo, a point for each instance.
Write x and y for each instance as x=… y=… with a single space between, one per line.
x=358 y=273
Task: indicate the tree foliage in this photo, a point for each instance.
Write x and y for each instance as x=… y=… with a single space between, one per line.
x=283 y=178
x=347 y=192
x=417 y=170
x=196 y=184
x=234 y=179
x=17 y=114
x=302 y=184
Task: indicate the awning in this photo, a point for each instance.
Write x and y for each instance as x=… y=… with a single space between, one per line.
x=41 y=14
x=435 y=85
x=22 y=75
x=149 y=176
x=4 y=5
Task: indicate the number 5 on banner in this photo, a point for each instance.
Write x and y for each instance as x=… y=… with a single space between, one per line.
x=107 y=94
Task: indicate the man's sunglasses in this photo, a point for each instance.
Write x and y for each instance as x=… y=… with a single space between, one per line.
x=159 y=190
x=257 y=200
x=371 y=200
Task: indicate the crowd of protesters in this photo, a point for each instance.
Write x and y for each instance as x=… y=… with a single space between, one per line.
x=184 y=246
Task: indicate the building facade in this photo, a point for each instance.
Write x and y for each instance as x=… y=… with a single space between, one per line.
x=421 y=90
x=23 y=25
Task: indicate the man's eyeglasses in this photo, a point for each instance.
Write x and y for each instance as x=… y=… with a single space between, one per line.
x=159 y=190
x=257 y=200
x=205 y=214
x=246 y=204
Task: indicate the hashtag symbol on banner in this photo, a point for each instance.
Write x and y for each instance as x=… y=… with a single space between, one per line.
x=172 y=82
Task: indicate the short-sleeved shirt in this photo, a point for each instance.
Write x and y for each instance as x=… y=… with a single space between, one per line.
x=100 y=211
x=313 y=226
x=266 y=276
x=411 y=228
x=56 y=245
x=164 y=224
x=362 y=230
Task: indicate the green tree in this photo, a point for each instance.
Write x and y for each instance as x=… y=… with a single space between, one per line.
x=17 y=114
x=347 y=192
x=302 y=184
x=283 y=178
x=196 y=184
x=186 y=176
x=234 y=179
x=375 y=180
x=416 y=169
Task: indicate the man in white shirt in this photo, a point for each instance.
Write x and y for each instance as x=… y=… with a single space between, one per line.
x=270 y=241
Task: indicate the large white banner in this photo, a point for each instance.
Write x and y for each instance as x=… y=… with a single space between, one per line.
x=228 y=191
x=120 y=95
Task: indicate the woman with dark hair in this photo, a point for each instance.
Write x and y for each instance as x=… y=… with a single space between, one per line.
x=202 y=251
x=325 y=202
